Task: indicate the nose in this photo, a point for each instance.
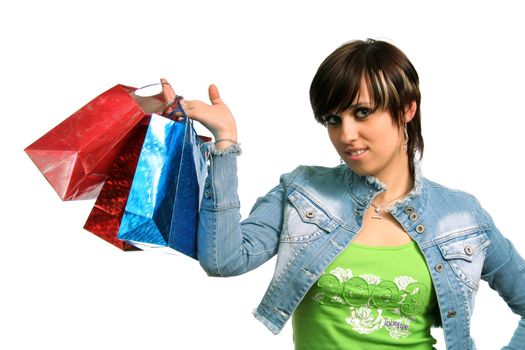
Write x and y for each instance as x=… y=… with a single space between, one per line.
x=349 y=130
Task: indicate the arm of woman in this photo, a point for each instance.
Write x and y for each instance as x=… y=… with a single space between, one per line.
x=504 y=270
x=226 y=246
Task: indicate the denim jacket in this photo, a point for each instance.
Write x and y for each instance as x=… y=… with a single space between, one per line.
x=315 y=212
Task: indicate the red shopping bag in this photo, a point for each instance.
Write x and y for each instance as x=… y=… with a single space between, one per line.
x=104 y=219
x=75 y=156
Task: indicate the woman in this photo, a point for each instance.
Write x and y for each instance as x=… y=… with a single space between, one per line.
x=370 y=253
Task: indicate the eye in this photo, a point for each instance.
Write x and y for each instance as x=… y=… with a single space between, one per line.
x=331 y=119
x=362 y=112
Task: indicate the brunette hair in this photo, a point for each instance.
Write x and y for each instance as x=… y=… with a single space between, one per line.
x=392 y=81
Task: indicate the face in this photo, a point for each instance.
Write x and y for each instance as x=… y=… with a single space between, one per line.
x=367 y=140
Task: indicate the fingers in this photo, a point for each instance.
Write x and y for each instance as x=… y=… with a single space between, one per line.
x=216 y=117
x=197 y=110
x=192 y=109
x=213 y=93
x=168 y=94
x=167 y=90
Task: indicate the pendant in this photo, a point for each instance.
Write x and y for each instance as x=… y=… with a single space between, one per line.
x=378 y=214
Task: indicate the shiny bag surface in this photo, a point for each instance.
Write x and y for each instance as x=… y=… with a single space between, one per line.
x=75 y=156
x=104 y=219
x=163 y=203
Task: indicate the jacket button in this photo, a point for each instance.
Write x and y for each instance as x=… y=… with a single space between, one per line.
x=207 y=194
x=413 y=216
x=439 y=267
x=420 y=228
x=451 y=313
x=409 y=210
x=469 y=250
x=310 y=214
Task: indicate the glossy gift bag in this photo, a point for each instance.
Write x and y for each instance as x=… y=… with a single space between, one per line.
x=163 y=203
x=104 y=219
x=75 y=156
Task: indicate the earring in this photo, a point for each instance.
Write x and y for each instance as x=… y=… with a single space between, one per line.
x=341 y=161
x=405 y=144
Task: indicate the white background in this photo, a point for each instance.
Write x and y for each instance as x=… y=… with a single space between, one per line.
x=63 y=288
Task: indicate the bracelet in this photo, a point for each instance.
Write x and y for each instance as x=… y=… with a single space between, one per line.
x=229 y=140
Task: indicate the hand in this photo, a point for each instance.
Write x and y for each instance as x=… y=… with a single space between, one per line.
x=215 y=117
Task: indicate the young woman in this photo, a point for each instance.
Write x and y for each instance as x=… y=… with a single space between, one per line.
x=370 y=254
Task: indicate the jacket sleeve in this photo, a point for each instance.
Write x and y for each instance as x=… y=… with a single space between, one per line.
x=504 y=270
x=226 y=246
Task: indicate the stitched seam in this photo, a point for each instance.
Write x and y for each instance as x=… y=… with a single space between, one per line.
x=215 y=252
x=497 y=269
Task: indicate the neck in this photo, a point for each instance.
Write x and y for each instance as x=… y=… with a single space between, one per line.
x=399 y=181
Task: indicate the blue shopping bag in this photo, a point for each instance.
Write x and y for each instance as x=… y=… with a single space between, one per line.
x=163 y=203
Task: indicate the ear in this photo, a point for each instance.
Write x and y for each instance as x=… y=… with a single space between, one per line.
x=410 y=111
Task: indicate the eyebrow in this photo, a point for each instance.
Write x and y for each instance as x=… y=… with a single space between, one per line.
x=367 y=104
x=361 y=104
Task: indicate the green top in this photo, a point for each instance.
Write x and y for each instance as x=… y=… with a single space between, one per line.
x=369 y=298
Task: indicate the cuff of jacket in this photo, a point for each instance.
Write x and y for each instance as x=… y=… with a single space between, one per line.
x=220 y=188
x=233 y=148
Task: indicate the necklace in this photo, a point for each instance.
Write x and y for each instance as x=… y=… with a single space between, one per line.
x=379 y=208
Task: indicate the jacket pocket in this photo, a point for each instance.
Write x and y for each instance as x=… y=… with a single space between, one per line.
x=304 y=220
x=465 y=253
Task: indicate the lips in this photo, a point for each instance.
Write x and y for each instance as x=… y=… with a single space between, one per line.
x=356 y=153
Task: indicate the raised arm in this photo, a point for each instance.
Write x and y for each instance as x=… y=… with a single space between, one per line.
x=227 y=246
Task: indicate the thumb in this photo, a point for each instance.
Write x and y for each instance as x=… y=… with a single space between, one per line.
x=213 y=93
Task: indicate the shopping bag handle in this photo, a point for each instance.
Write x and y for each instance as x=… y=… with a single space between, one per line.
x=176 y=106
x=174 y=103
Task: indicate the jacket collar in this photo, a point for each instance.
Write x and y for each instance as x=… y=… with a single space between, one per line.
x=364 y=188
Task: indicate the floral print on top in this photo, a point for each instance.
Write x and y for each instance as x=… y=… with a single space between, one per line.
x=369 y=297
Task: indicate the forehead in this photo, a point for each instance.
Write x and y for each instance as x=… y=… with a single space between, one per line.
x=363 y=95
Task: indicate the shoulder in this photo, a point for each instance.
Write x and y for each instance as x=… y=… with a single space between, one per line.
x=443 y=196
x=324 y=185
x=309 y=173
x=439 y=191
x=450 y=213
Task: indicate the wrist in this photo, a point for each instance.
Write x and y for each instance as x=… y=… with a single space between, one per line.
x=223 y=141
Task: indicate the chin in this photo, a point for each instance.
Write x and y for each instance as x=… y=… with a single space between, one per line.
x=361 y=171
